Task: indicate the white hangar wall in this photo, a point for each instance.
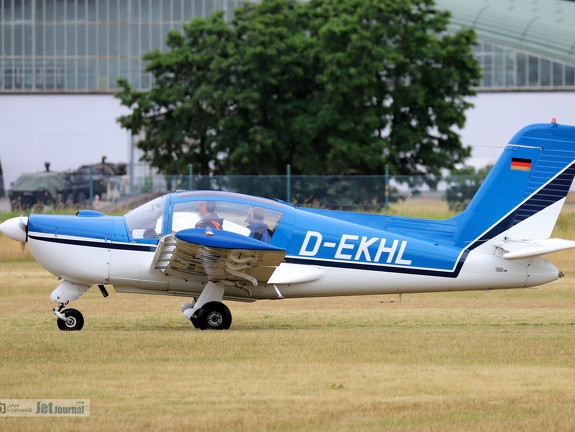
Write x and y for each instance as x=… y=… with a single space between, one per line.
x=496 y=117
x=71 y=130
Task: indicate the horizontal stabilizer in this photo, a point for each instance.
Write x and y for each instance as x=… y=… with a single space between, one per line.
x=532 y=248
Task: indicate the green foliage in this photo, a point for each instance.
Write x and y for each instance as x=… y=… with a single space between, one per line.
x=463 y=183
x=328 y=86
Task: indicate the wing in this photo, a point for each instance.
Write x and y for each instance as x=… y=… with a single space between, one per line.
x=204 y=255
x=532 y=248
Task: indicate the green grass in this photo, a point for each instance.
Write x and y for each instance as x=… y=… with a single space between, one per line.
x=421 y=209
x=456 y=361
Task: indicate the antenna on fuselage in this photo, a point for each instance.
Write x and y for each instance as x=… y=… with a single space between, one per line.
x=403 y=203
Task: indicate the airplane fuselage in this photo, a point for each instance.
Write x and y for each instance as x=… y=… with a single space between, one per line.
x=342 y=259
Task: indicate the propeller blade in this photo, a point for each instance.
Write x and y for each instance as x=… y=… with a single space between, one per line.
x=23 y=222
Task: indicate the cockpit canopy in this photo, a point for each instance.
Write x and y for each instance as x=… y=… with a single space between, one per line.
x=241 y=214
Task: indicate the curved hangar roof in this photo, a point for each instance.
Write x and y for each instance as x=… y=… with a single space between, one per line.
x=542 y=27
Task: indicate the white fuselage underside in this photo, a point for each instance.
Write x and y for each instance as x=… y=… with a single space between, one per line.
x=130 y=271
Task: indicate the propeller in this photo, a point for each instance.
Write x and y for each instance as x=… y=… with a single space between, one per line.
x=23 y=223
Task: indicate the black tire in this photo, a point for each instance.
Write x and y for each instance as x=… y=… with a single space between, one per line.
x=195 y=322
x=214 y=316
x=74 y=320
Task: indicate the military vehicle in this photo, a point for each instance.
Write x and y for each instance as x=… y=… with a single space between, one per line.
x=45 y=188
x=65 y=189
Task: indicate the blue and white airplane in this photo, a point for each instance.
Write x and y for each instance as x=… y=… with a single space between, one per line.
x=214 y=246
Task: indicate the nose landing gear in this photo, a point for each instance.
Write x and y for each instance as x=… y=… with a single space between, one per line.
x=69 y=319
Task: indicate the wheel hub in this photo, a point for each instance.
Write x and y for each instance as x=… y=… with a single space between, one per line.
x=215 y=319
x=70 y=321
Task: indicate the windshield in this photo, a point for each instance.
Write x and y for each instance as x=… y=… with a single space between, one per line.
x=146 y=221
x=245 y=219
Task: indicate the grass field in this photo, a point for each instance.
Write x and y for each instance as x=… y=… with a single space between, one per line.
x=483 y=361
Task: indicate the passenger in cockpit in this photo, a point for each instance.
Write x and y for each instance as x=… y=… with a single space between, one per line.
x=258 y=228
x=208 y=216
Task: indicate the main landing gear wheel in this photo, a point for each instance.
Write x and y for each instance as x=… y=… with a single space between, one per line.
x=74 y=320
x=213 y=316
x=195 y=322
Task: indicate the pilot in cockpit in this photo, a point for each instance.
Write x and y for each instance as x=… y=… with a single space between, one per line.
x=258 y=228
x=208 y=216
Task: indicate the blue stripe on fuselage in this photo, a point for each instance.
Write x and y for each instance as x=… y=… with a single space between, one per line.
x=96 y=244
x=382 y=268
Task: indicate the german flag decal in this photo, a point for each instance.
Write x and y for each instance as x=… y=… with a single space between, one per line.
x=521 y=164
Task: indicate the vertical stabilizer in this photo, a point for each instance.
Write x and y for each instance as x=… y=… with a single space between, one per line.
x=524 y=192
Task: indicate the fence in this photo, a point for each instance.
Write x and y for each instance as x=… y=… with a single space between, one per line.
x=366 y=193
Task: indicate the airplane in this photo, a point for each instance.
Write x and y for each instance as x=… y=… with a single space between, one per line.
x=215 y=246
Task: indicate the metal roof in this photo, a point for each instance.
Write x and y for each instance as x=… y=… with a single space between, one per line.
x=542 y=27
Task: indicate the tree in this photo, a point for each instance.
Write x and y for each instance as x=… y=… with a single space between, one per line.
x=270 y=119
x=180 y=115
x=328 y=86
x=396 y=84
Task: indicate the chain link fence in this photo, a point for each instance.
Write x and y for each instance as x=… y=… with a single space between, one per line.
x=52 y=191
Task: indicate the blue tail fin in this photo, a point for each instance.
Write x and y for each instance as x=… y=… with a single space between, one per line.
x=523 y=194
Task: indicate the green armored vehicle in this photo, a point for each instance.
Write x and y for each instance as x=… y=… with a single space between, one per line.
x=45 y=188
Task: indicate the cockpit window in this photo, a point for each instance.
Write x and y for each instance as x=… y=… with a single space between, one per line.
x=146 y=221
x=253 y=221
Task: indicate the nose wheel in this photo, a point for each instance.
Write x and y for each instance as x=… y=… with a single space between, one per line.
x=70 y=320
